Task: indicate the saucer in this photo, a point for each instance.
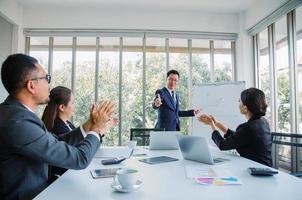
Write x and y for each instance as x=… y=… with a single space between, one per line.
x=117 y=186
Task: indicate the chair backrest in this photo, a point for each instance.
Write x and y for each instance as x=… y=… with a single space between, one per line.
x=286 y=151
x=142 y=135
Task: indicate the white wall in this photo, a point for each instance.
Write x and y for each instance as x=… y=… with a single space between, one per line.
x=260 y=10
x=11 y=37
x=244 y=55
x=6 y=30
x=9 y=9
x=119 y=18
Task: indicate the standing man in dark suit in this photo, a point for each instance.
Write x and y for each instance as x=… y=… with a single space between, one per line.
x=166 y=103
x=26 y=147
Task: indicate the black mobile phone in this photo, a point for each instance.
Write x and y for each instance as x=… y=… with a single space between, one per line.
x=262 y=171
x=113 y=161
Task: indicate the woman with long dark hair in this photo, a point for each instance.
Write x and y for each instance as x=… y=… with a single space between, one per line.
x=56 y=115
x=59 y=110
x=251 y=139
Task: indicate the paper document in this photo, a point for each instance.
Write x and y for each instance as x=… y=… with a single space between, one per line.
x=218 y=181
x=110 y=152
x=194 y=171
x=205 y=175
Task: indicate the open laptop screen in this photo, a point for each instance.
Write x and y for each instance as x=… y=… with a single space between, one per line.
x=163 y=140
x=197 y=149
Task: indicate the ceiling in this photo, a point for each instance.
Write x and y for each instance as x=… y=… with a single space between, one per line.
x=216 y=6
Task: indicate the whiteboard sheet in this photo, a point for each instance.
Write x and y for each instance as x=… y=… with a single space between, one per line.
x=219 y=100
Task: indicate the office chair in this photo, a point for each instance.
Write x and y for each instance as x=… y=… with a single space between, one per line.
x=295 y=143
x=142 y=135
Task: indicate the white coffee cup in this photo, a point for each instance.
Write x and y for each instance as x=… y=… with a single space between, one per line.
x=132 y=144
x=126 y=177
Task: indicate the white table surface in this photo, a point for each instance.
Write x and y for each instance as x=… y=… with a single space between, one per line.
x=168 y=181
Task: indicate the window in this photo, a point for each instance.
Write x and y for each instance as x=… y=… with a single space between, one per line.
x=264 y=69
x=222 y=61
x=62 y=61
x=84 y=78
x=39 y=47
x=200 y=61
x=132 y=86
x=299 y=69
x=179 y=60
x=299 y=62
x=282 y=87
x=118 y=74
x=155 y=75
x=278 y=89
x=282 y=73
x=108 y=88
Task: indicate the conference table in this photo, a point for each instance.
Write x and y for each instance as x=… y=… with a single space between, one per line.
x=169 y=181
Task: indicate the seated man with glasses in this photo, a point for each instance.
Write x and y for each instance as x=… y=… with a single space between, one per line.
x=26 y=147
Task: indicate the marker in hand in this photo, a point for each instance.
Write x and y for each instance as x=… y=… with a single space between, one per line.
x=158 y=101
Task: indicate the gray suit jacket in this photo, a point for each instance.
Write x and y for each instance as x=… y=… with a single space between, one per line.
x=27 y=148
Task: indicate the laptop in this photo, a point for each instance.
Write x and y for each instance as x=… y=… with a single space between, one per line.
x=197 y=149
x=163 y=140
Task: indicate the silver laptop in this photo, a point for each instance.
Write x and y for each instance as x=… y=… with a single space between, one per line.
x=197 y=149
x=163 y=140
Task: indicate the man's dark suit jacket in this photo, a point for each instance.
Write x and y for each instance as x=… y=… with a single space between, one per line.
x=27 y=148
x=168 y=114
x=252 y=140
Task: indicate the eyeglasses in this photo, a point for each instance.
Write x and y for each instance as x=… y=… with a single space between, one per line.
x=47 y=77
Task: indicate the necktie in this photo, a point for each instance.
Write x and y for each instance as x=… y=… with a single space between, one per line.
x=174 y=98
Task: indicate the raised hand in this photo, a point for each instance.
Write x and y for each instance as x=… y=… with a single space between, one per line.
x=198 y=112
x=112 y=122
x=213 y=119
x=101 y=116
x=219 y=125
x=157 y=101
x=205 y=119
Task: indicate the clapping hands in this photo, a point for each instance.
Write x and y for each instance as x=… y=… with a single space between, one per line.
x=101 y=119
x=211 y=121
x=206 y=119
